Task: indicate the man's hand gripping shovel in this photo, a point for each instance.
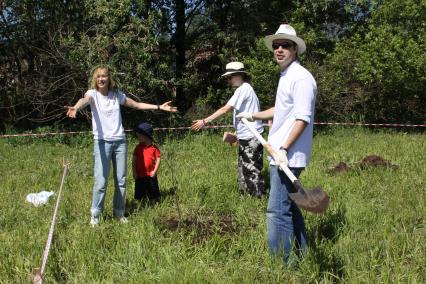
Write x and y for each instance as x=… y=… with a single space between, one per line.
x=312 y=200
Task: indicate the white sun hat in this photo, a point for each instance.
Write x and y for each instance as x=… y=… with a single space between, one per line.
x=234 y=67
x=286 y=32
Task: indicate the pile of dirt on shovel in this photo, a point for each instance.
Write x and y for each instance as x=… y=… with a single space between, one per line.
x=367 y=162
x=200 y=228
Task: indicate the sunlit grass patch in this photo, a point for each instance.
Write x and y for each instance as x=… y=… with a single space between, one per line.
x=203 y=229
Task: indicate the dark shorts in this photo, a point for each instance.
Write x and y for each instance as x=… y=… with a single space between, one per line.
x=147 y=187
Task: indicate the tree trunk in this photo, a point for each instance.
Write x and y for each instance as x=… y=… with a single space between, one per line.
x=180 y=53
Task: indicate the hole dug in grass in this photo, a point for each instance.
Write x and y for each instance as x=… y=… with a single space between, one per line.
x=202 y=227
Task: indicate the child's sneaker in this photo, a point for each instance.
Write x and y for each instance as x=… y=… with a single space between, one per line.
x=94 y=221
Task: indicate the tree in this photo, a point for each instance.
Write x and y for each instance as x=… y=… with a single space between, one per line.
x=379 y=72
x=26 y=27
x=61 y=44
x=363 y=53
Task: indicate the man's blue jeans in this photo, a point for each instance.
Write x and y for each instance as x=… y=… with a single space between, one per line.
x=104 y=153
x=284 y=219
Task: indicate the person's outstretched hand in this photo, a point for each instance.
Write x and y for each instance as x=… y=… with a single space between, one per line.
x=71 y=111
x=246 y=115
x=197 y=124
x=167 y=107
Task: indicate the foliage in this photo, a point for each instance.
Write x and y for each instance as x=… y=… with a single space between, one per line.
x=365 y=54
x=320 y=23
x=29 y=84
x=324 y=23
x=379 y=72
x=373 y=232
x=264 y=72
x=85 y=34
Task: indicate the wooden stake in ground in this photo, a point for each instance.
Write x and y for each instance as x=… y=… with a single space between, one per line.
x=314 y=200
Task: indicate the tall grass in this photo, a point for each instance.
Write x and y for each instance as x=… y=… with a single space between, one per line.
x=373 y=232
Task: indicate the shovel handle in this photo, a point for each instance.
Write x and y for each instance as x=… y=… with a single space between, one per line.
x=269 y=149
x=254 y=131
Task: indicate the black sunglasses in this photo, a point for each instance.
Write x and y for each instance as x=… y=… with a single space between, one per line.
x=284 y=45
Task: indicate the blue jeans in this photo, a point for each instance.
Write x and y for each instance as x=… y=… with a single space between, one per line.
x=104 y=153
x=284 y=220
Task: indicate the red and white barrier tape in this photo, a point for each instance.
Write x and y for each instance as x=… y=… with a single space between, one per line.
x=87 y=132
x=370 y=124
x=213 y=127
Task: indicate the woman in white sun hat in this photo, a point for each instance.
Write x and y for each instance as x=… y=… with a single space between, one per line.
x=250 y=153
x=291 y=135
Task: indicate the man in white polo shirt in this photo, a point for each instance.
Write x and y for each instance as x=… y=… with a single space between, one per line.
x=291 y=135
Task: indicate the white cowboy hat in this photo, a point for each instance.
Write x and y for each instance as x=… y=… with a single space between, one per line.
x=286 y=32
x=234 y=67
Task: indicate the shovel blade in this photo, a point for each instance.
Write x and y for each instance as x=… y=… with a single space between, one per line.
x=313 y=200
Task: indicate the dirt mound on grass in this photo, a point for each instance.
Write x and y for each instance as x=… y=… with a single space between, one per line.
x=367 y=162
x=201 y=228
x=376 y=161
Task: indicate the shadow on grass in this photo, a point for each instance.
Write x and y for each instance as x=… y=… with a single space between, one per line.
x=134 y=206
x=171 y=191
x=324 y=234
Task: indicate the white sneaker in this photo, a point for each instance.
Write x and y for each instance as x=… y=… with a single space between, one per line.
x=123 y=220
x=94 y=221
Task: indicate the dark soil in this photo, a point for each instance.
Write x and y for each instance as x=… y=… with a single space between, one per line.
x=376 y=161
x=367 y=162
x=339 y=168
x=201 y=228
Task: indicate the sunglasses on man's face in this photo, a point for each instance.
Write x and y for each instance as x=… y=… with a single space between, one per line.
x=284 y=45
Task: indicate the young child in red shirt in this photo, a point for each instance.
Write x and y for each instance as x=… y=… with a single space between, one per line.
x=145 y=164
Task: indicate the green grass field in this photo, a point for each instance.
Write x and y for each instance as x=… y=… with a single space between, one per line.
x=203 y=230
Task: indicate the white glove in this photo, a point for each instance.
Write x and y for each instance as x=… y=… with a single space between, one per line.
x=246 y=115
x=281 y=157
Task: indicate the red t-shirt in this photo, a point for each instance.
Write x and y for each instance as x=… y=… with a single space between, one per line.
x=146 y=156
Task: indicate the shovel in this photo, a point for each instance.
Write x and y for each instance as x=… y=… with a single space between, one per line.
x=312 y=200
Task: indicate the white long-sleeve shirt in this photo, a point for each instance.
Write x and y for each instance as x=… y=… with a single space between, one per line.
x=295 y=99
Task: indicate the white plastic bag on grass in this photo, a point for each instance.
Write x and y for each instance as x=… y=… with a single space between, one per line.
x=40 y=198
